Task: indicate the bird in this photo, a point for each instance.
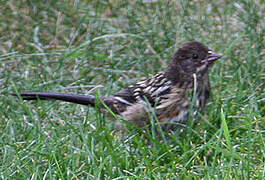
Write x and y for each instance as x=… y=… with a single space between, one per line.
x=169 y=94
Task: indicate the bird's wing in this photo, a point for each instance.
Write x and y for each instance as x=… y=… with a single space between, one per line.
x=167 y=100
x=119 y=102
x=152 y=90
x=126 y=96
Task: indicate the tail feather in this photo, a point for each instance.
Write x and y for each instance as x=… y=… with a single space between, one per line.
x=74 y=98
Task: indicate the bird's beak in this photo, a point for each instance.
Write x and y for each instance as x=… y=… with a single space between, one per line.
x=212 y=57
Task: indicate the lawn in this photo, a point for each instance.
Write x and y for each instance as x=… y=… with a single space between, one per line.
x=102 y=46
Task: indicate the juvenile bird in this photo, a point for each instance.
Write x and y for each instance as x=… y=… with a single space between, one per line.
x=168 y=94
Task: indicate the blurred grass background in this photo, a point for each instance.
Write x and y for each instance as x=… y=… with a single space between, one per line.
x=83 y=46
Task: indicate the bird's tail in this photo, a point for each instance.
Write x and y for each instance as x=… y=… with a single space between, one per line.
x=73 y=98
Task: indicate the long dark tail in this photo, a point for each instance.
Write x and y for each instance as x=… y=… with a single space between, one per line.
x=73 y=98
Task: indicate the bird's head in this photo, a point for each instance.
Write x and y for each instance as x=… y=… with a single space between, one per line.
x=192 y=58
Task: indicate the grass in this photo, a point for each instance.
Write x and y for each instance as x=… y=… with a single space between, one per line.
x=83 y=46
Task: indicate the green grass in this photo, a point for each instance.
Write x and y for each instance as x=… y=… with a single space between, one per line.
x=80 y=46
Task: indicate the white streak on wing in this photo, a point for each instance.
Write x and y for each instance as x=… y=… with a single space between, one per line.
x=136 y=94
x=152 y=89
x=160 y=90
x=160 y=75
x=147 y=90
x=151 y=81
x=122 y=100
x=161 y=82
x=141 y=83
x=137 y=90
x=163 y=105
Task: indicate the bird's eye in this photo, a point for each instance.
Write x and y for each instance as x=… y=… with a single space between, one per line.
x=195 y=56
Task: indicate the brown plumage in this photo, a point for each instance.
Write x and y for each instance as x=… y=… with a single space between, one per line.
x=168 y=93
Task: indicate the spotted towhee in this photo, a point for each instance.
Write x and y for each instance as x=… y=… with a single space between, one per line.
x=168 y=94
